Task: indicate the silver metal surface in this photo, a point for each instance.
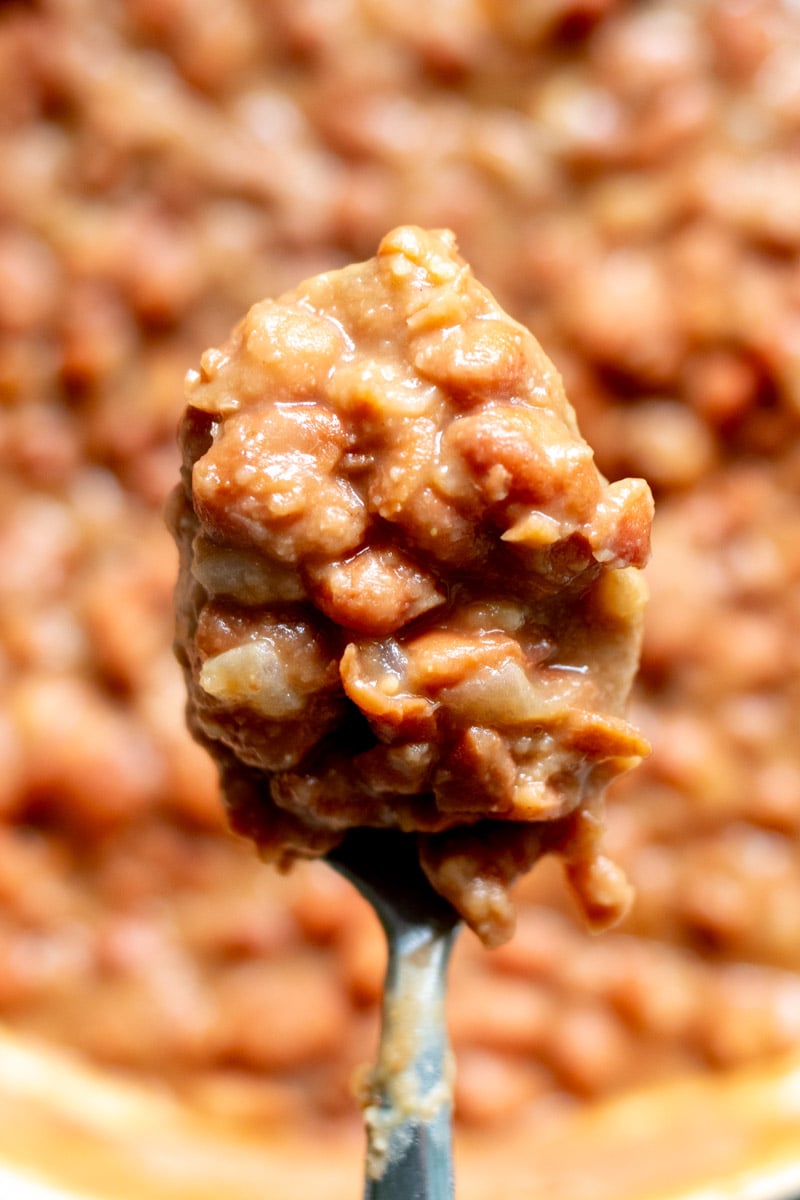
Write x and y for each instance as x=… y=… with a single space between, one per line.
x=407 y=1097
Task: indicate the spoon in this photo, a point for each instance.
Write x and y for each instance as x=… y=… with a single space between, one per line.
x=407 y=1094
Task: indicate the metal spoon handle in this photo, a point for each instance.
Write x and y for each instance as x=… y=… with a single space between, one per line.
x=408 y=1113
x=406 y=1096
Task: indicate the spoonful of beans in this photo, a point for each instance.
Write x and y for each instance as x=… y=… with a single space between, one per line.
x=409 y=614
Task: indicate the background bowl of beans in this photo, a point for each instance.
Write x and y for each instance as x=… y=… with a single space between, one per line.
x=624 y=177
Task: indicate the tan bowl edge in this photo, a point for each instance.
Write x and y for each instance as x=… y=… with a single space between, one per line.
x=72 y=1132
